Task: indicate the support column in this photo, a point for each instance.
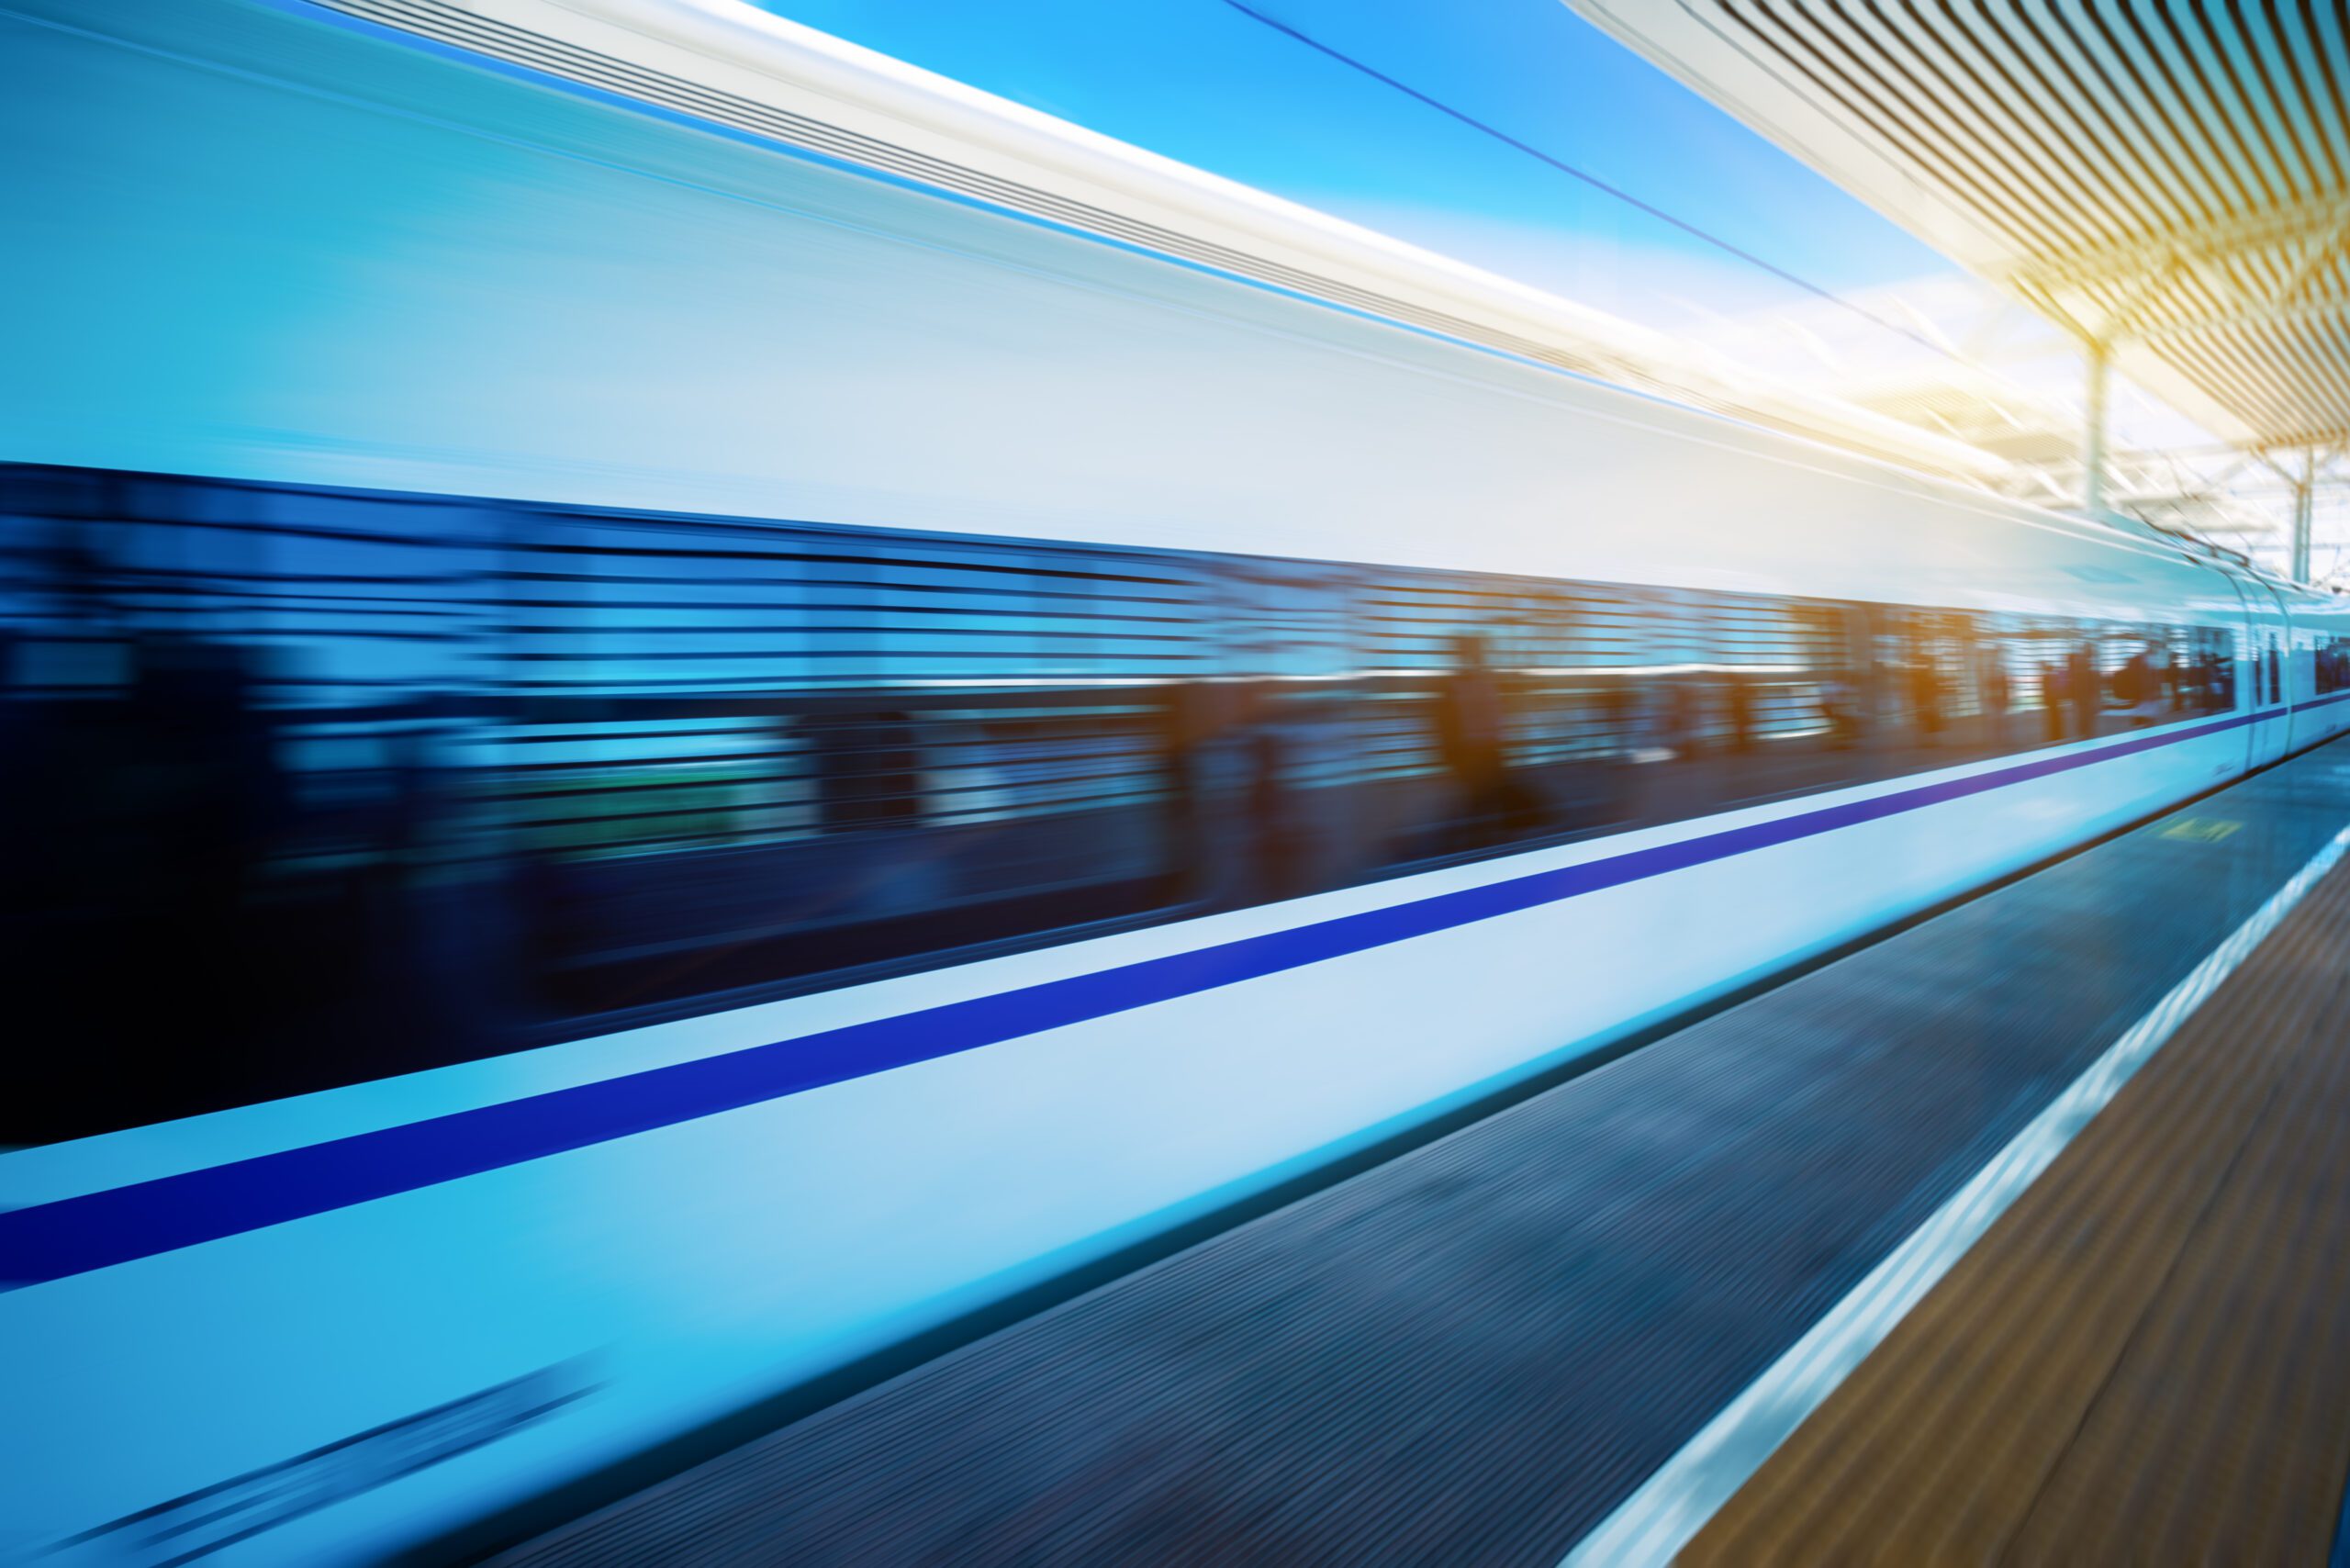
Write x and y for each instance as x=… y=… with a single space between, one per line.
x=2100 y=370
x=2304 y=510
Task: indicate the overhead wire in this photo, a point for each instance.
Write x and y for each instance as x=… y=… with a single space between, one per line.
x=1694 y=230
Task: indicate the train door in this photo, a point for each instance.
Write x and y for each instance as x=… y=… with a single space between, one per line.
x=2263 y=678
x=2301 y=633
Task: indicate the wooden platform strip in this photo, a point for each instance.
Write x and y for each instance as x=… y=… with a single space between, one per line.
x=2143 y=1362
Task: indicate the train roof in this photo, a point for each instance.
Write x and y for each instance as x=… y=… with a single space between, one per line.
x=728 y=67
x=726 y=62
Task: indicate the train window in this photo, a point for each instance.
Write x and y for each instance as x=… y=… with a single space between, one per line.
x=432 y=779
x=2330 y=664
x=750 y=753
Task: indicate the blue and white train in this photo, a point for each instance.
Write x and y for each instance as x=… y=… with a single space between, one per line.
x=681 y=704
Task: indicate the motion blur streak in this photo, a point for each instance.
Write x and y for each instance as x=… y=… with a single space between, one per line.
x=676 y=760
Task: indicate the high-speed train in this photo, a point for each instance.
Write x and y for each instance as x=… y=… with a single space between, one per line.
x=682 y=706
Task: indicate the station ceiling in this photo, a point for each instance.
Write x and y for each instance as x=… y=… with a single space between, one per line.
x=2168 y=180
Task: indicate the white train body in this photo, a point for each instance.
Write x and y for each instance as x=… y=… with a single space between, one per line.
x=370 y=262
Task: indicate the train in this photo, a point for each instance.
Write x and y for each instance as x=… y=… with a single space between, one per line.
x=686 y=707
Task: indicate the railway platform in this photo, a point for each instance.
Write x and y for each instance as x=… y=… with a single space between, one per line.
x=2019 y=1233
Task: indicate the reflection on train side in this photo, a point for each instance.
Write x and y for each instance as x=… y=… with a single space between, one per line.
x=318 y=787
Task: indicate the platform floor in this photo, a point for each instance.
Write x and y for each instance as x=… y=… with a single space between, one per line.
x=2145 y=1359
x=1477 y=1352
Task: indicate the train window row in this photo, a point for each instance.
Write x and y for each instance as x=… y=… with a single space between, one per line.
x=365 y=784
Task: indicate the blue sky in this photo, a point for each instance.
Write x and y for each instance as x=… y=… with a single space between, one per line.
x=1200 y=81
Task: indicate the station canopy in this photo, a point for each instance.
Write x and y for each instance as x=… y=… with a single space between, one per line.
x=2165 y=182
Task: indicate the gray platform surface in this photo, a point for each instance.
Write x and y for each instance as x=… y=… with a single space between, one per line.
x=1473 y=1353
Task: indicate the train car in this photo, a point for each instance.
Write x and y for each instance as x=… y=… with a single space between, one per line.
x=685 y=706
